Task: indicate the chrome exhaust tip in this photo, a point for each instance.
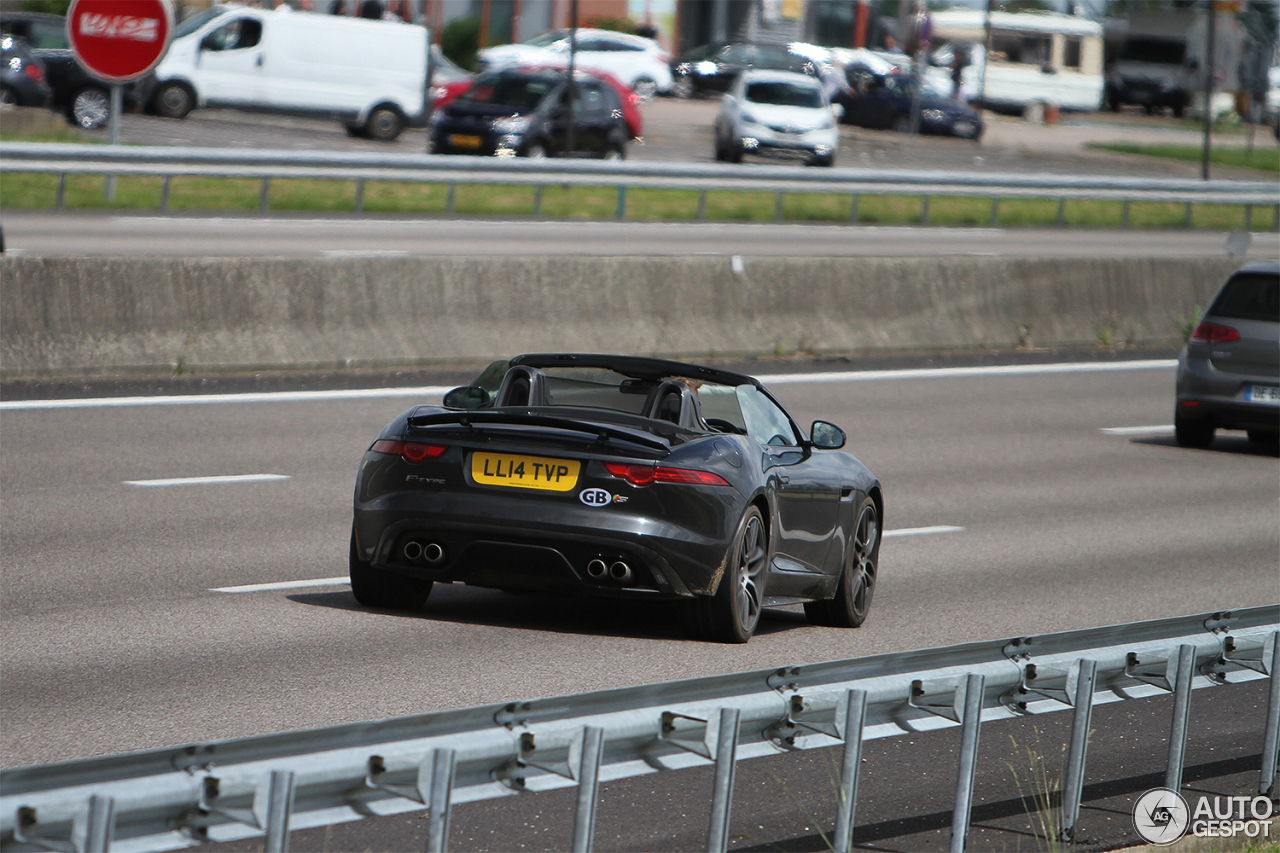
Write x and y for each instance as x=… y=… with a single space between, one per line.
x=433 y=553
x=413 y=550
x=620 y=572
x=596 y=569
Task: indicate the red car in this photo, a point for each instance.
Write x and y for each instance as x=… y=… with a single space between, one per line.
x=630 y=100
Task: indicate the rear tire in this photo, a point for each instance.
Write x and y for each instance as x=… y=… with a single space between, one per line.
x=384 y=124
x=733 y=613
x=173 y=100
x=645 y=89
x=374 y=587
x=682 y=88
x=848 y=608
x=1192 y=433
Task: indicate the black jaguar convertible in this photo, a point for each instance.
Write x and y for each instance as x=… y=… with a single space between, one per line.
x=619 y=476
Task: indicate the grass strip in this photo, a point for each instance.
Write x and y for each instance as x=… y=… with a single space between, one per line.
x=1264 y=156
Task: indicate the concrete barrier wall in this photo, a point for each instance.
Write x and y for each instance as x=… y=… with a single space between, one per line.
x=77 y=316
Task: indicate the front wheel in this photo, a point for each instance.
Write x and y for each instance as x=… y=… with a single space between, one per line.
x=173 y=100
x=89 y=108
x=384 y=124
x=849 y=606
x=645 y=89
x=374 y=587
x=732 y=614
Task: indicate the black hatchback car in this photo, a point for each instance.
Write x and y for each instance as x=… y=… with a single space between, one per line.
x=22 y=75
x=526 y=113
x=883 y=102
x=712 y=68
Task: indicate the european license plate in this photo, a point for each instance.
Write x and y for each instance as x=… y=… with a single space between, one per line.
x=462 y=140
x=1262 y=394
x=524 y=472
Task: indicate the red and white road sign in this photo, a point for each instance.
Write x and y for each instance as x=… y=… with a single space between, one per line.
x=120 y=40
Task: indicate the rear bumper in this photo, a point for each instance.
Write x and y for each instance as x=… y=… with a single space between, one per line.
x=1207 y=394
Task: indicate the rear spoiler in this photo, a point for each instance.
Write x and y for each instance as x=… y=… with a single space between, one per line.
x=479 y=418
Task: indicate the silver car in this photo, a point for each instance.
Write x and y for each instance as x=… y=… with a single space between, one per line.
x=776 y=113
x=1229 y=371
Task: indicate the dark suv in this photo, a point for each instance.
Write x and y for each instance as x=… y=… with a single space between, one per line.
x=84 y=98
x=1229 y=371
x=525 y=113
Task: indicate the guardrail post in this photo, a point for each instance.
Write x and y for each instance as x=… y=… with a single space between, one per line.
x=777 y=207
x=1271 y=738
x=584 y=819
x=263 y=195
x=995 y=211
x=702 y=205
x=164 y=192
x=722 y=791
x=100 y=826
x=537 y=200
x=855 y=705
x=1062 y=212
x=853 y=208
x=1124 y=217
x=971 y=722
x=924 y=210
x=1073 y=787
x=622 y=202
x=443 y=762
x=1186 y=219
x=1181 y=714
x=359 y=195
x=62 y=191
x=448 y=199
x=1248 y=217
x=279 y=807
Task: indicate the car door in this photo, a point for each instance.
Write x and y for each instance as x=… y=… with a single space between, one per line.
x=229 y=66
x=807 y=492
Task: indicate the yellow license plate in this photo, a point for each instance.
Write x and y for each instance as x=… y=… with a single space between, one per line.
x=463 y=141
x=524 y=472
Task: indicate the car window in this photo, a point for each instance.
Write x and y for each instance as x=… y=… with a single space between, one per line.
x=736 y=54
x=235 y=35
x=510 y=90
x=784 y=94
x=546 y=39
x=764 y=421
x=46 y=36
x=1249 y=296
x=592 y=98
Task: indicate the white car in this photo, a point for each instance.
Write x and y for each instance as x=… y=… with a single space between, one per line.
x=637 y=61
x=777 y=113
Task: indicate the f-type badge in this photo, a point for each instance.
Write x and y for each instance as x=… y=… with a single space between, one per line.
x=595 y=497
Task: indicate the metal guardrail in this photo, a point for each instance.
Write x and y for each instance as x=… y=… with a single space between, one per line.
x=163 y=799
x=266 y=165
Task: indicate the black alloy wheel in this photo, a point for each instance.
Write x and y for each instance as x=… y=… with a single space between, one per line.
x=374 y=587
x=852 y=601
x=732 y=614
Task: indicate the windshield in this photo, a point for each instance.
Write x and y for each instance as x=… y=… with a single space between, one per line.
x=784 y=94
x=521 y=92
x=1159 y=51
x=198 y=20
x=547 y=39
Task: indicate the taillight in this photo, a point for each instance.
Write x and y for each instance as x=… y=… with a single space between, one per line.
x=643 y=475
x=412 y=451
x=1212 y=333
x=35 y=72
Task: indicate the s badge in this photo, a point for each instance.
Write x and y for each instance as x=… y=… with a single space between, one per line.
x=595 y=497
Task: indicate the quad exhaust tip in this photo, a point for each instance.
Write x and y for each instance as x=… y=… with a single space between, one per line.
x=620 y=572
x=596 y=569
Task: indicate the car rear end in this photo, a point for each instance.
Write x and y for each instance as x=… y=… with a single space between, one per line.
x=1229 y=371
x=543 y=507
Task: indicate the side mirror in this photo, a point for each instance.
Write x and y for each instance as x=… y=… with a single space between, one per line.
x=826 y=435
x=837 y=111
x=467 y=397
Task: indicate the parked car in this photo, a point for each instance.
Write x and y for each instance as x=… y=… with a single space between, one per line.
x=448 y=81
x=626 y=96
x=368 y=74
x=638 y=62
x=22 y=76
x=712 y=68
x=883 y=101
x=524 y=113
x=1229 y=371
x=776 y=113
x=623 y=477
x=84 y=99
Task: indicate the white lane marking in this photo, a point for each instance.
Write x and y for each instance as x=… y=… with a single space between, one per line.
x=248 y=397
x=922 y=531
x=263 y=587
x=1161 y=429
x=363 y=253
x=203 y=481
x=954 y=372
x=440 y=390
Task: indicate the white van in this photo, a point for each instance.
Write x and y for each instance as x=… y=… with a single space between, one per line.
x=368 y=74
x=1035 y=57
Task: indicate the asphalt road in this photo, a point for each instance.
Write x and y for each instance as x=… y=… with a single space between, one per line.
x=101 y=233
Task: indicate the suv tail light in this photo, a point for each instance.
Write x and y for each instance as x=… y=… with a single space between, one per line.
x=35 y=72
x=643 y=475
x=1212 y=333
x=411 y=451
